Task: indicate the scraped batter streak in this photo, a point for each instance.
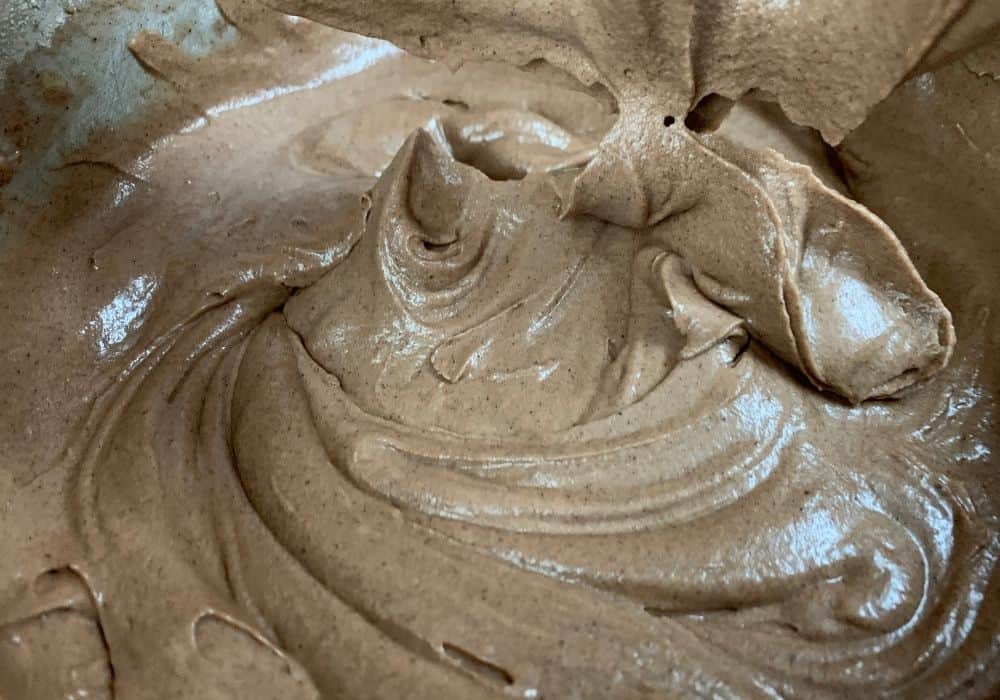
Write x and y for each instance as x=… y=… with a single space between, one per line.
x=448 y=385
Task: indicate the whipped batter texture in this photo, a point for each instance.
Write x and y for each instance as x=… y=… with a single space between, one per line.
x=576 y=365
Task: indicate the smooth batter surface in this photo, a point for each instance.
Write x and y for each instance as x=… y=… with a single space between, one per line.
x=401 y=382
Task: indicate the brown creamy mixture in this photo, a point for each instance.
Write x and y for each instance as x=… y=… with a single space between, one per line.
x=591 y=376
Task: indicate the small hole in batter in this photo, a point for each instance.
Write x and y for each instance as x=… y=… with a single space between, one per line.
x=435 y=247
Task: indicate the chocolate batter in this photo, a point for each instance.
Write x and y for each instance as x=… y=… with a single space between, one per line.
x=598 y=375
